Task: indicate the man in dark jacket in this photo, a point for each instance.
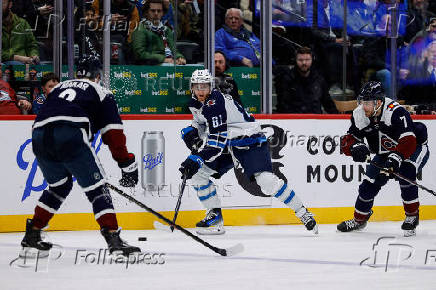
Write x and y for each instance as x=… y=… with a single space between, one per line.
x=301 y=90
x=224 y=82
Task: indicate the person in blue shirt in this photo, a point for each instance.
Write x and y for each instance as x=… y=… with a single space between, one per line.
x=241 y=47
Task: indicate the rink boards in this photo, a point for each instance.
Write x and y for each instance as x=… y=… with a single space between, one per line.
x=304 y=149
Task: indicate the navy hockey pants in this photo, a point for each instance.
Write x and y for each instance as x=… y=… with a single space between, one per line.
x=374 y=180
x=63 y=151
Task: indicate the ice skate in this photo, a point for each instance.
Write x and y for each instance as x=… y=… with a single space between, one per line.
x=116 y=245
x=32 y=243
x=409 y=225
x=353 y=225
x=307 y=219
x=212 y=224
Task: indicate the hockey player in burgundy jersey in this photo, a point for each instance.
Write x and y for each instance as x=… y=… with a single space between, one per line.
x=399 y=144
x=230 y=135
x=74 y=111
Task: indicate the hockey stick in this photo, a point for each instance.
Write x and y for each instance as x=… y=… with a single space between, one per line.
x=179 y=200
x=163 y=227
x=223 y=252
x=402 y=177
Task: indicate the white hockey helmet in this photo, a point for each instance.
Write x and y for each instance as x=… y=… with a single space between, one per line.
x=201 y=76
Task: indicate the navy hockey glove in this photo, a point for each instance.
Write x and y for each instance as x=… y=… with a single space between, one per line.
x=359 y=152
x=129 y=173
x=393 y=162
x=190 y=166
x=191 y=138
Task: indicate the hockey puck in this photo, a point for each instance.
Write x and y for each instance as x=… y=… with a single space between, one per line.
x=142 y=239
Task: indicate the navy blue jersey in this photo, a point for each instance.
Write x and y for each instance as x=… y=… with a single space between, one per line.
x=224 y=122
x=391 y=131
x=82 y=103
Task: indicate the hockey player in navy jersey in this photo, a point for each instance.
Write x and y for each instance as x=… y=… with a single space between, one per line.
x=399 y=144
x=231 y=136
x=74 y=111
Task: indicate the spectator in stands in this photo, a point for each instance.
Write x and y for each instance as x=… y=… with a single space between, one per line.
x=420 y=82
x=377 y=54
x=89 y=40
x=48 y=82
x=10 y=104
x=328 y=41
x=418 y=16
x=36 y=13
x=224 y=82
x=221 y=8
x=301 y=89
x=241 y=47
x=19 y=46
x=124 y=20
x=188 y=20
x=423 y=38
x=152 y=41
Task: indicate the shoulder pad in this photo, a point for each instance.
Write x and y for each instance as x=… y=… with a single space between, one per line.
x=360 y=119
x=101 y=91
x=194 y=103
x=388 y=109
x=215 y=94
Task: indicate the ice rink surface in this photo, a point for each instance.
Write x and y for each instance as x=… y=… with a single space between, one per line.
x=275 y=257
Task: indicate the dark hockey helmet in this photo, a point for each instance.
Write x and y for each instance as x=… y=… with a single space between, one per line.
x=371 y=91
x=88 y=66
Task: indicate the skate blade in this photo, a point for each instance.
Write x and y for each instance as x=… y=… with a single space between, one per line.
x=210 y=231
x=32 y=253
x=409 y=233
x=315 y=229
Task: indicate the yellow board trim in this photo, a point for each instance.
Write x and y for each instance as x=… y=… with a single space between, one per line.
x=232 y=217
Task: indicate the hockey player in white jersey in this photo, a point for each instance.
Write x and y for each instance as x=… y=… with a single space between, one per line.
x=231 y=136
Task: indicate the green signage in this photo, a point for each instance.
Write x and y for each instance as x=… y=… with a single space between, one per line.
x=162 y=89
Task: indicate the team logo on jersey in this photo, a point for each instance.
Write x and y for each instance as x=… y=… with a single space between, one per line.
x=391 y=106
x=387 y=144
x=210 y=103
x=40 y=100
x=4 y=96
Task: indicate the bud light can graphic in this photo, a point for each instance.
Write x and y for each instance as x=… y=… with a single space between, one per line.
x=153 y=160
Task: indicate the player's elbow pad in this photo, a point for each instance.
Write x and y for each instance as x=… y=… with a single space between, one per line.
x=406 y=146
x=116 y=141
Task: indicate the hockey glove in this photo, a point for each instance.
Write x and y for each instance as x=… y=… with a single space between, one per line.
x=393 y=162
x=346 y=142
x=190 y=166
x=359 y=152
x=191 y=138
x=129 y=173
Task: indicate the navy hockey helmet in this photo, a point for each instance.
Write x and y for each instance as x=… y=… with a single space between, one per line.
x=371 y=91
x=88 y=66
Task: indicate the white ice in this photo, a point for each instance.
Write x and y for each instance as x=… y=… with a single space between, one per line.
x=275 y=257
